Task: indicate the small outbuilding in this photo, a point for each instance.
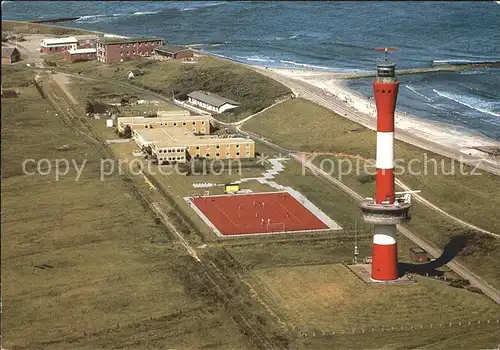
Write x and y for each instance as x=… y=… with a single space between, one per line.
x=134 y=73
x=79 y=55
x=10 y=54
x=174 y=52
x=418 y=254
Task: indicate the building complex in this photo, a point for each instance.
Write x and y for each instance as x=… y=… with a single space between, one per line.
x=196 y=124
x=178 y=138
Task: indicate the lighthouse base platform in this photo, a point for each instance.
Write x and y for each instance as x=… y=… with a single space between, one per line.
x=363 y=271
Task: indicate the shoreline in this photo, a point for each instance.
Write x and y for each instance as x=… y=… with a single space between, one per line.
x=333 y=83
x=435 y=131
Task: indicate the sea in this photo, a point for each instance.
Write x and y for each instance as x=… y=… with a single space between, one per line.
x=330 y=36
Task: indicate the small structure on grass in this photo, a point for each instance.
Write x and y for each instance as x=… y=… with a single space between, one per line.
x=173 y=52
x=418 y=254
x=10 y=54
x=134 y=73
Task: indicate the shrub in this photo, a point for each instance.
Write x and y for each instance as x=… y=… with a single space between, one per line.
x=364 y=179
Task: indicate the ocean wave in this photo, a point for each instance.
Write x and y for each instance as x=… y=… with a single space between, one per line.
x=256 y=58
x=471 y=102
x=193 y=8
x=99 y=18
x=436 y=107
x=145 y=13
x=418 y=93
x=91 y=17
x=471 y=72
x=464 y=61
x=305 y=65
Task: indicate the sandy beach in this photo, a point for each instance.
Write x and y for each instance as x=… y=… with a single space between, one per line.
x=446 y=135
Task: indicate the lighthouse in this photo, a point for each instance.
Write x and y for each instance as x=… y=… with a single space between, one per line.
x=385 y=211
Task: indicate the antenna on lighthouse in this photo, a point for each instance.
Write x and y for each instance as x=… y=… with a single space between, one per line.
x=386 y=70
x=386 y=50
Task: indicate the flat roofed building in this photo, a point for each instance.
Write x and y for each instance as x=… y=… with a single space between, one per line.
x=52 y=45
x=222 y=148
x=146 y=137
x=211 y=101
x=182 y=144
x=174 y=52
x=114 y=50
x=173 y=113
x=198 y=124
x=86 y=41
x=75 y=55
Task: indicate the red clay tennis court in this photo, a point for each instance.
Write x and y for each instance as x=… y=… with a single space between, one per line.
x=257 y=213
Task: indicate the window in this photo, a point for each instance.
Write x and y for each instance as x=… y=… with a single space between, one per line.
x=248 y=145
x=217 y=146
x=202 y=123
x=237 y=146
x=208 y=155
x=248 y=153
x=202 y=129
x=194 y=123
x=184 y=123
x=197 y=147
x=175 y=124
x=121 y=46
x=237 y=153
x=169 y=150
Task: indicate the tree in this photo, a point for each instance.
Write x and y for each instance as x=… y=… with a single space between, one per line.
x=127 y=132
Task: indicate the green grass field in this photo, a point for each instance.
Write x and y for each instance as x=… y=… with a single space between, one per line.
x=327 y=132
x=331 y=298
x=114 y=279
x=84 y=265
x=37 y=28
x=228 y=79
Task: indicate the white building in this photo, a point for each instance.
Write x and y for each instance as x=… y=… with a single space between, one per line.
x=58 y=44
x=211 y=102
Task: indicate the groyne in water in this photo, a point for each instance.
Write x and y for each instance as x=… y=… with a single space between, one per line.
x=56 y=20
x=439 y=68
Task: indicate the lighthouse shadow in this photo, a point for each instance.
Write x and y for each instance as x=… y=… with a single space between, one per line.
x=451 y=250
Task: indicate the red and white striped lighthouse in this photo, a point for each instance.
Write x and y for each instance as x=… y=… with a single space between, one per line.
x=384 y=211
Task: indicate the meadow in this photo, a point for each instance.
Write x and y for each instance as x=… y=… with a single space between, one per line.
x=84 y=263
